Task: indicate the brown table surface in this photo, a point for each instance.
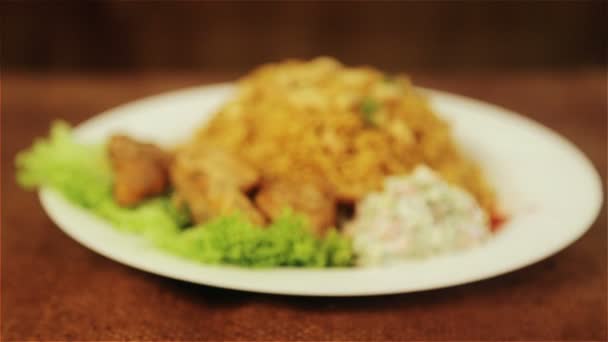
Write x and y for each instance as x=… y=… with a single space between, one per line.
x=55 y=289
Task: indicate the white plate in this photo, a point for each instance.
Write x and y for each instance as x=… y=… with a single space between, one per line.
x=552 y=193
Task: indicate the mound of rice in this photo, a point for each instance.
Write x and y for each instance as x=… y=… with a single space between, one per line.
x=347 y=127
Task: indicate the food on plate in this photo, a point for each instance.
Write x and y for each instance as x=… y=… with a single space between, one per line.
x=350 y=127
x=309 y=164
x=416 y=215
x=211 y=183
x=141 y=170
x=303 y=196
x=82 y=174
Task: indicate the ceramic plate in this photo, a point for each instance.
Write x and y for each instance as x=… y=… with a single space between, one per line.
x=548 y=187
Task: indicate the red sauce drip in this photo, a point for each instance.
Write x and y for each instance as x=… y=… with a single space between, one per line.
x=496 y=220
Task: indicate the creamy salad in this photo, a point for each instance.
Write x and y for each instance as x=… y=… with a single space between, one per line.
x=416 y=215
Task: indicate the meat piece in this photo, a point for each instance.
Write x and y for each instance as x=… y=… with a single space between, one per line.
x=206 y=206
x=140 y=169
x=217 y=164
x=304 y=197
x=211 y=182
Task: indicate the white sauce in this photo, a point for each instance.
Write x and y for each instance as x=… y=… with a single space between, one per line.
x=416 y=215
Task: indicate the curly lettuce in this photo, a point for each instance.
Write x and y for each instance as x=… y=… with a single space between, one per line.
x=81 y=173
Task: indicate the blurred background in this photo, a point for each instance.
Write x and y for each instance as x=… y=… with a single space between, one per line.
x=236 y=36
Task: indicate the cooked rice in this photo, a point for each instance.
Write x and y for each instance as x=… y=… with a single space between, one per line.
x=348 y=127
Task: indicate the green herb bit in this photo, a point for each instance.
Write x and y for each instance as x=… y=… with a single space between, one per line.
x=369 y=106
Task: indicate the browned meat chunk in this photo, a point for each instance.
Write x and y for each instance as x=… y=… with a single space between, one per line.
x=303 y=197
x=218 y=165
x=205 y=206
x=210 y=182
x=140 y=169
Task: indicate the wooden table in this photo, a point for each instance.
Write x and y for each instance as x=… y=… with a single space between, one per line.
x=55 y=289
